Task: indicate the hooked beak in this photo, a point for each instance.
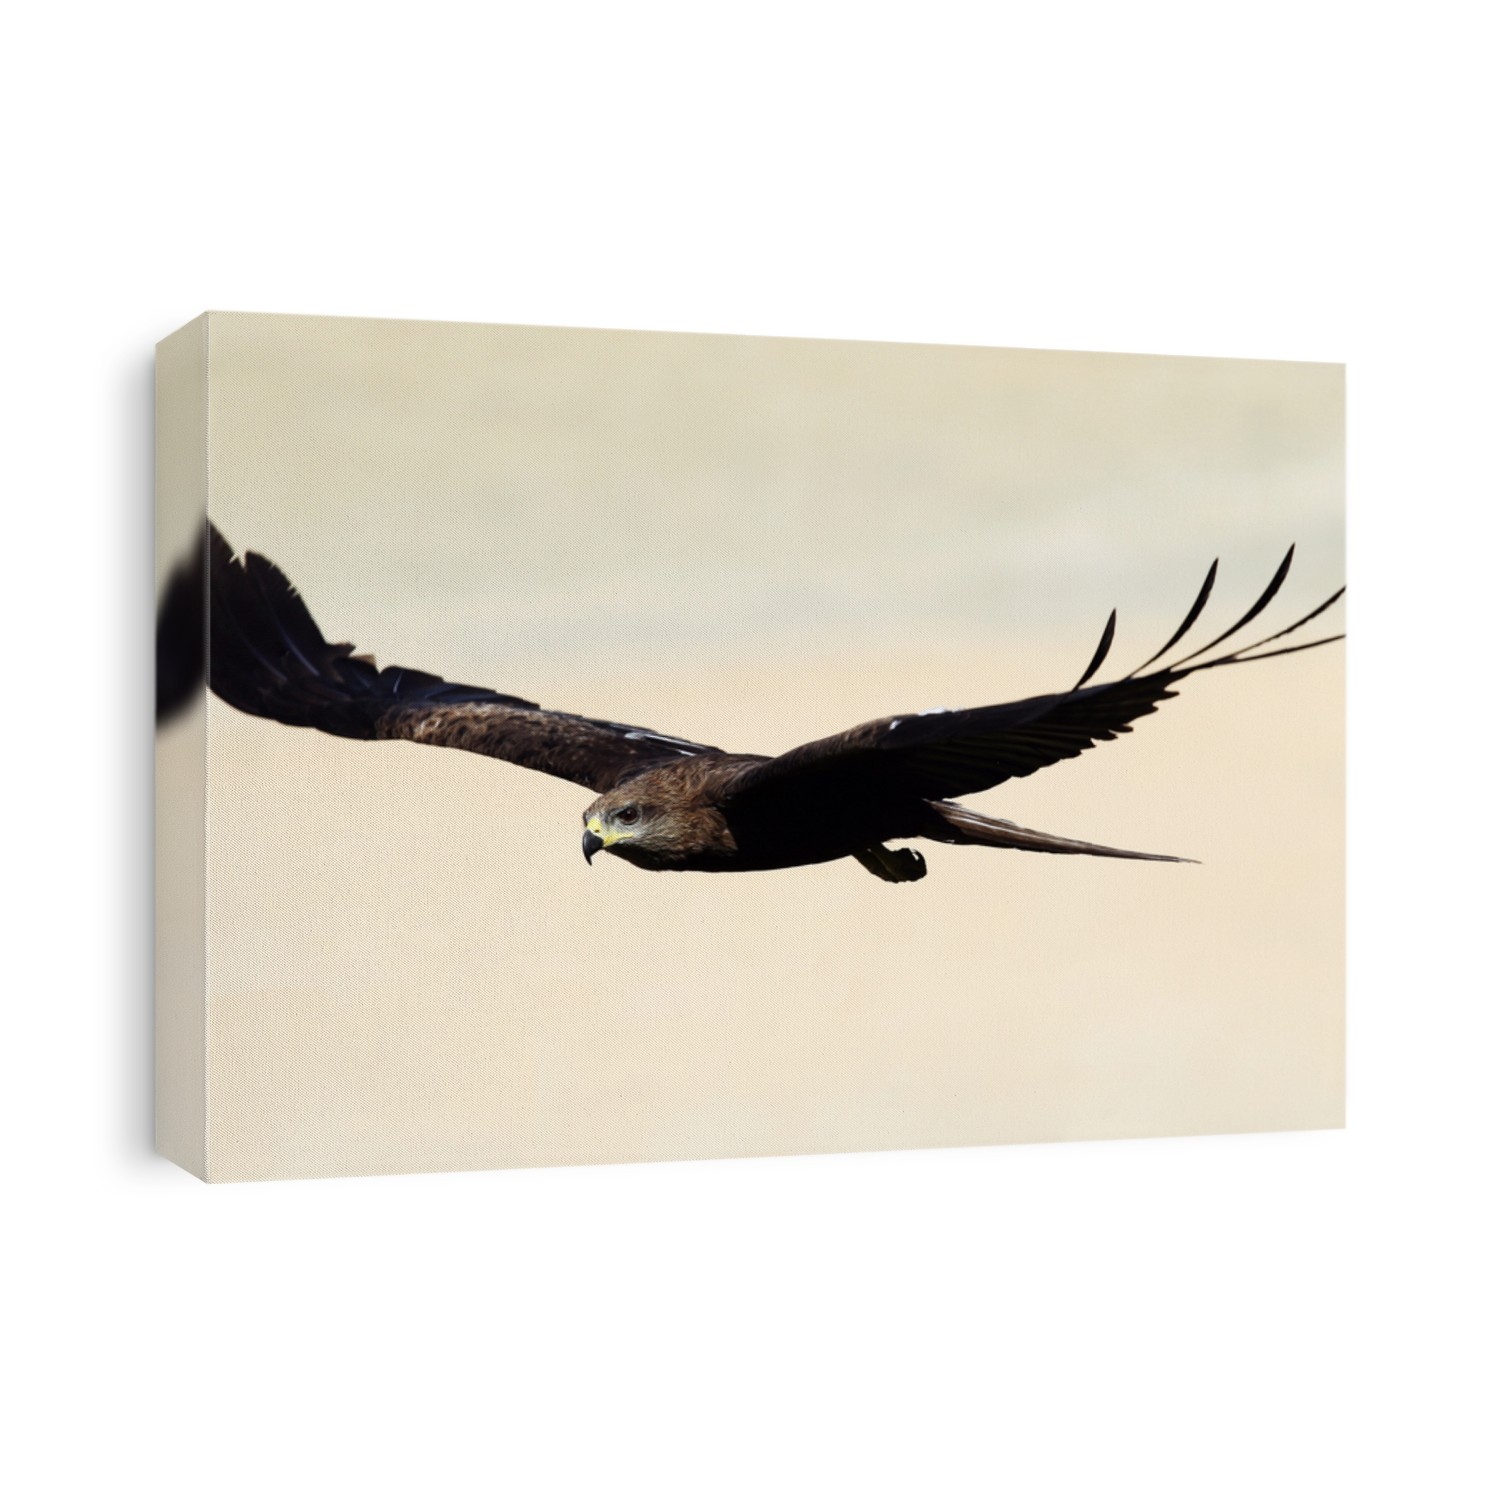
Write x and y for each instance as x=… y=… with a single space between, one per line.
x=592 y=844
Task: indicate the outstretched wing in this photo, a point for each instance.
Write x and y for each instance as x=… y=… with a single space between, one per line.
x=942 y=753
x=267 y=657
x=179 y=633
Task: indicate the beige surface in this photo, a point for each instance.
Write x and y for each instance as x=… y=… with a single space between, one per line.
x=181 y=769
x=757 y=542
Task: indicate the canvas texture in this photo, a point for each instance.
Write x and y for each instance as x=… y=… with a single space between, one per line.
x=388 y=957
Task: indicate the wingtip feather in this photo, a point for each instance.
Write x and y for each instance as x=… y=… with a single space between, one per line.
x=1191 y=618
x=1267 y=595
x=1100 y=651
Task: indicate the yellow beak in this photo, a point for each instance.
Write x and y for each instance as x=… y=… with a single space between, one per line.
x=596 y=838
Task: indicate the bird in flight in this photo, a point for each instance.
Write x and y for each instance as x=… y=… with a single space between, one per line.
x=664 y=803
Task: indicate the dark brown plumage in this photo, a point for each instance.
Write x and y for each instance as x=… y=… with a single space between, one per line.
x=671 y=804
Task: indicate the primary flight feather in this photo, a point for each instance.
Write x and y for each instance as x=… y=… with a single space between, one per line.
x=671 y=804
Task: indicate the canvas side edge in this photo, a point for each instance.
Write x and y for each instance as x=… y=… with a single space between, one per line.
x=181 y=763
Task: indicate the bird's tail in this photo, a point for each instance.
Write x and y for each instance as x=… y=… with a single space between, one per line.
x=953 y=823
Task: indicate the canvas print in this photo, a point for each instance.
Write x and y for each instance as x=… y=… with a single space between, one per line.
x=865 y=746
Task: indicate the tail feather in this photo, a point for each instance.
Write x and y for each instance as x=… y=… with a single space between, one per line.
x=957 y=824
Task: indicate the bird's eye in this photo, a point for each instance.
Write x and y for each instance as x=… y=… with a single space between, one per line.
x=627 y=814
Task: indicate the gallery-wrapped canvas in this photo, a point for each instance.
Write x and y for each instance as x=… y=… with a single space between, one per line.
x=581 y=746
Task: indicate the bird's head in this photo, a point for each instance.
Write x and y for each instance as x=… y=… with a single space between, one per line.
x=655 y=822
x=623 y=823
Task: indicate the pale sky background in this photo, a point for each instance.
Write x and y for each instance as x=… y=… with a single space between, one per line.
x=757 y=542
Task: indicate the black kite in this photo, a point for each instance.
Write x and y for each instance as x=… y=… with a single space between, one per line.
x=671 y=804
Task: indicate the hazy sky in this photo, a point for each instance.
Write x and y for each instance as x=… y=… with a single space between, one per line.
x=758 y=542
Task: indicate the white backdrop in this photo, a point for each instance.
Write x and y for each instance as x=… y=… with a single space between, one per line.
x=1292 y=1315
